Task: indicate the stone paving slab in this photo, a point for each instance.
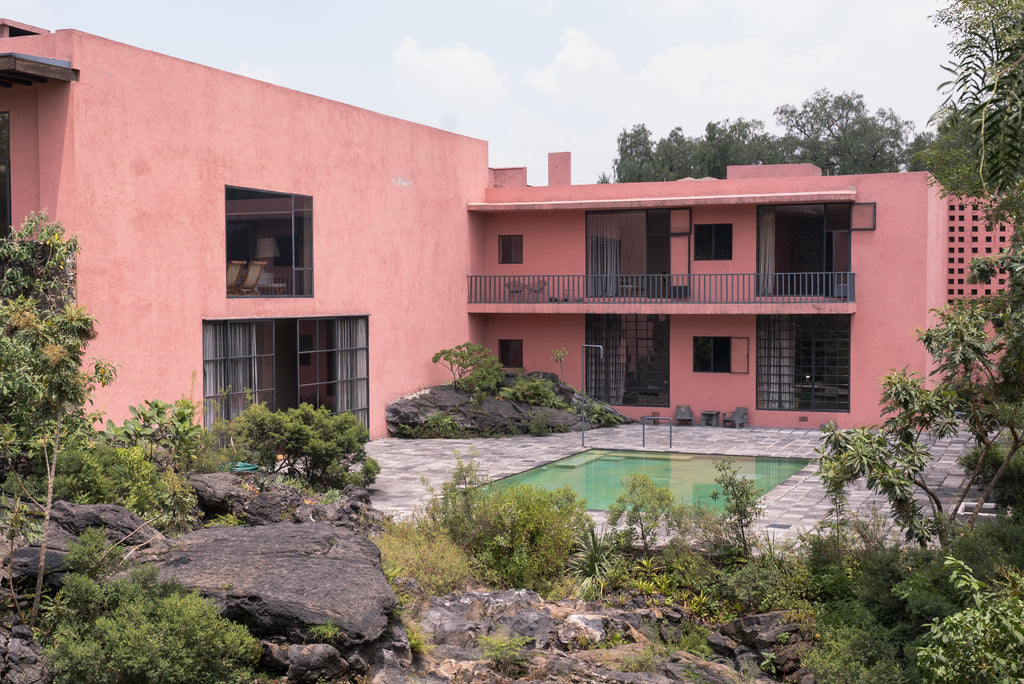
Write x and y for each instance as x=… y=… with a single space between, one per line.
x=796 y=505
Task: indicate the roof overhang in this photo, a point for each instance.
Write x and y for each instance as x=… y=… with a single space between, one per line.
x=17 y=69
x=810 y=197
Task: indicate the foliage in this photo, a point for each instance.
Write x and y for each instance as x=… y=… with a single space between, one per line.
x=425 y=552
x=590 y=566
x=835 y=132
x=741 y=502
x=986 y=87
x=984 y=642
x=324 y=449
x=169 y=428
x=558 y=356
x=535 y=391
x=769 y=581
x=644 y=507
x=506 y=652
x=324 y=633
x=437 y=426
x=46 y=384
x=138 y=629
x=521 y=535
x=102 y=474
x=474 y=367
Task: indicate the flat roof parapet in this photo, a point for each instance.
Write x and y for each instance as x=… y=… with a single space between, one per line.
x=13 y=29
x=772 y=171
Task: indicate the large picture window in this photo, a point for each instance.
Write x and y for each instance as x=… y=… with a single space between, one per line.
x=803 y=362
x=634 y=370
x=283 y=362
x=269 y=243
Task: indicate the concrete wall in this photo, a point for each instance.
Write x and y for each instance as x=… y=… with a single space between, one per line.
x=134 y=158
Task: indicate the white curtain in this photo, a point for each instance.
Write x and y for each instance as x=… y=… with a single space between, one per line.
x=776 y=348
x=766 y=251
x=604 y=254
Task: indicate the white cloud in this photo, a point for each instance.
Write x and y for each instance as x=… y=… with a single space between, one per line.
x=578 y=65
x=458 y=78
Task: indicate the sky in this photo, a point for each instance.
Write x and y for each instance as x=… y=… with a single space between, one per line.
x=539 y=76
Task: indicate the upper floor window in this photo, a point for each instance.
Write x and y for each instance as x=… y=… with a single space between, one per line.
x=269 y=243
x=712 y=242
x=510 y=249
x=5 y=173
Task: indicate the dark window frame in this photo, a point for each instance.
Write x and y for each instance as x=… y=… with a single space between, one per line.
x=712 y=242
x=510 y=353
x=712 y=354
x=635 y=368
x=328 y=368
x=803 y=362
x=510 y=249
x=277 y=243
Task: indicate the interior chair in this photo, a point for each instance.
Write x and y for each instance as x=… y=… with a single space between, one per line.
x=236 y=272
x=736 y=419
x=684 y=416
x=252 y=277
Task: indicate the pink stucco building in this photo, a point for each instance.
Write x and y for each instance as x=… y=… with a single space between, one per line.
x=240 y=238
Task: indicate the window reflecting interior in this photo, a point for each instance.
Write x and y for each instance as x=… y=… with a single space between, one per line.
x=634 y=370
x=269 y=243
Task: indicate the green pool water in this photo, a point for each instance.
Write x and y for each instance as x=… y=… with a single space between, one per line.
x=596 y=475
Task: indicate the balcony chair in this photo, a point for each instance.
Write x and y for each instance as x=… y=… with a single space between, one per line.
x=236 y=272
x=516 y=290
x=535 y=290
x=252 y=277
x=684 y=416
x=736 y=419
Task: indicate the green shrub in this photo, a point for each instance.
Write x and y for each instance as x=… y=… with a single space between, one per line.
x=105 y=474
x=139 y=629
x=521 y=535
x=505 y=652
x=324 y=449
x=438 y=426
x=591 y=565
x=535 y=391
x=644 y=507
x=423 y=551
x=168 y=431
x=741 y=502
x=767 y=583
x=474 y=367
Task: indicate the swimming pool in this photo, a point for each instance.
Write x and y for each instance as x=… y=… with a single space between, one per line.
x=596 y=474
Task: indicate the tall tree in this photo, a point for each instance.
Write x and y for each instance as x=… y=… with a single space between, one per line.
x=46 y=384
x=977 y=344
x=837 y=133
x=635 y=162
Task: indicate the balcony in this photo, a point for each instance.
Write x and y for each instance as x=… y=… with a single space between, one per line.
x=662 y=289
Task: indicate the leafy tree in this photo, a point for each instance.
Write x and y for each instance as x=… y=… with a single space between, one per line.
x=977 y=344
x=986 y=89
x=323 y=448
x=644 y=507
x=46 y=384
x=474 y=367
x=984 y=642
x=838 y=134
x=635 y=163
x=741 y=506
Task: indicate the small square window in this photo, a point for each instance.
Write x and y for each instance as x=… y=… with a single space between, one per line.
x=712 y=242
x=712 y=354
x=510 y=249
x=510 y=353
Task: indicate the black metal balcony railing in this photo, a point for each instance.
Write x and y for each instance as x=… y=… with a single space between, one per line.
x=724 y=288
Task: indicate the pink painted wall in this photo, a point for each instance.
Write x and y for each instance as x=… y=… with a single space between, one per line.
x=134 y=158
x=898 y=266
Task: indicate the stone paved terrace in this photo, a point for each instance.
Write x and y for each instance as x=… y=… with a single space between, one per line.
x=796 y=505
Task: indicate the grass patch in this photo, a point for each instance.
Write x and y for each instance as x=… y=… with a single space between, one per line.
x=423 y=551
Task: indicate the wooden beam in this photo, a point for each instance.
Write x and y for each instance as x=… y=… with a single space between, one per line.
x=34 y=68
